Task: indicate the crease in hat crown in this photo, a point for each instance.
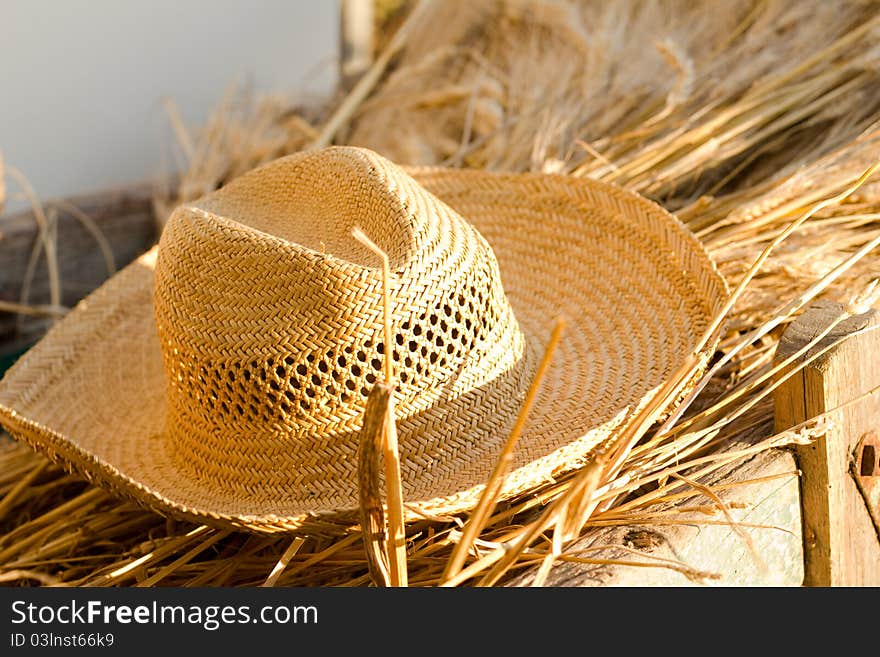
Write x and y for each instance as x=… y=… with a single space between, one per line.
x=269 y=315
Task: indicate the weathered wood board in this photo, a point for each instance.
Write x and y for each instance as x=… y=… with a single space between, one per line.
x=714 y=548
x=124 y=217
x=841 y=544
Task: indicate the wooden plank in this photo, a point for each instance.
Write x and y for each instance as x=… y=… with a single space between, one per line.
x=773 y=503
x=2 y=185
x=841 y=547
x=124 y=217
x=356 y=36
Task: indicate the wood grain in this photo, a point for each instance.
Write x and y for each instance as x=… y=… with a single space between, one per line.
x=840 y=544
x=124 y=217
x=699 y=543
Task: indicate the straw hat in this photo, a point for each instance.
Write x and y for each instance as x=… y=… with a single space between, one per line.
x=222 y=376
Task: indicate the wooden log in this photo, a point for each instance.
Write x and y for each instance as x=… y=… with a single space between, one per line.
x=762 y=493
x=841 y=545
x=125 y=219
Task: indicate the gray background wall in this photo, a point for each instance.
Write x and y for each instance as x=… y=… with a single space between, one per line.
x=82 y=81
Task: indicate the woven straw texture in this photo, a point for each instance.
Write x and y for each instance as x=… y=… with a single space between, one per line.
x=223 y=376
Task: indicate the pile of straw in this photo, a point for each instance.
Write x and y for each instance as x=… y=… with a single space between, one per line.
x=756 y=121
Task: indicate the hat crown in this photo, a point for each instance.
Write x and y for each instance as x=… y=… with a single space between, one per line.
x=269 y=312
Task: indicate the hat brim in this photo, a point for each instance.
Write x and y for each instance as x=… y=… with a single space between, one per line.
x=637 y=288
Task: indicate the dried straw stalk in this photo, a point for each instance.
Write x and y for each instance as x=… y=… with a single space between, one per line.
x=387 y=429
